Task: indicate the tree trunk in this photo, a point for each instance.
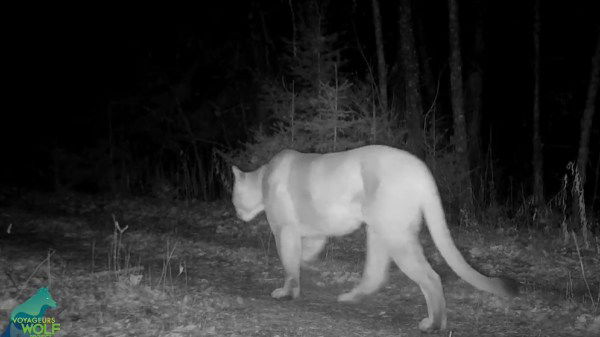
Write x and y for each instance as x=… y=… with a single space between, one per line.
x=596 y=179
x=584 y=143
x=428 y=80
x=112 y=176
x=381 y=66
x=588 y=115
x=458 y=109
x=537 y=157
x=410 y=65
x=474 y=103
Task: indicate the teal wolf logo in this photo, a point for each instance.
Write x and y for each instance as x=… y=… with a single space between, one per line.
x=28 y=318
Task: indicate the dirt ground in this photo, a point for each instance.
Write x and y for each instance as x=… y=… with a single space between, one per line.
x=194 y=270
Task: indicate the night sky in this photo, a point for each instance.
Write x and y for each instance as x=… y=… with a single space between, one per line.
x=71 y=64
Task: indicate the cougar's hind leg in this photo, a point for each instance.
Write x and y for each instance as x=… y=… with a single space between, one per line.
x=311 y=247
x=289 y=245
x=410 y=259
x=376 y=269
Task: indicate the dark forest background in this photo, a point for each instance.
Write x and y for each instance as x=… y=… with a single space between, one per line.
x=161 y=102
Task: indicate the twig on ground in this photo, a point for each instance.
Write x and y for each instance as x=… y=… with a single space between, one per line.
x=49 y=268
x=50 y=253
x=594 y=303
x=111 y=272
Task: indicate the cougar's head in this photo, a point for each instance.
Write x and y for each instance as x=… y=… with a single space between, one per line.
x=247 y=194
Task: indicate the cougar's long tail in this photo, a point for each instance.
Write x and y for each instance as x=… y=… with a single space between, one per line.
x=436 y=222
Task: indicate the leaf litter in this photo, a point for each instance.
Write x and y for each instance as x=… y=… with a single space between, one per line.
x=195 y=270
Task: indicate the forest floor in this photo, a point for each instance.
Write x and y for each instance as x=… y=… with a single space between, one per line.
x=195 y=270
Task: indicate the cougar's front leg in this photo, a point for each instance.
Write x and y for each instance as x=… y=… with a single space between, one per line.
x=289 y=245
x=376 y=269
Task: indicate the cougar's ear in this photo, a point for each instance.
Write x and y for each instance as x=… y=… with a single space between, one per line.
x=237 y=173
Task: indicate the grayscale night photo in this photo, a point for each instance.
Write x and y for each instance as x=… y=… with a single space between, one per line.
x=301 y=168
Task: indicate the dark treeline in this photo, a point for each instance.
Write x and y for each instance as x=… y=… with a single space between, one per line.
x=162 y=103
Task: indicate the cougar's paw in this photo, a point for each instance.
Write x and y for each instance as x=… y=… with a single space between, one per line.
x=428 y=325
x=281 y=293
x=350 y=297
x=285 y=293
